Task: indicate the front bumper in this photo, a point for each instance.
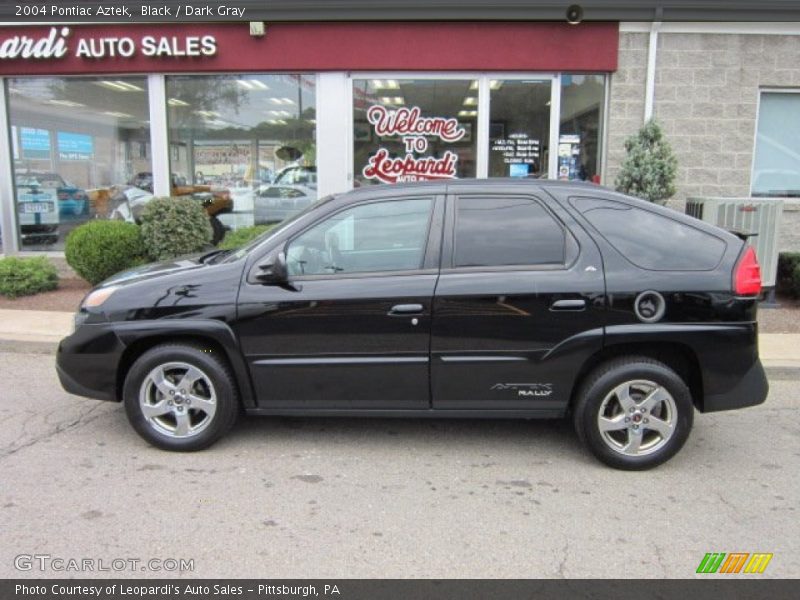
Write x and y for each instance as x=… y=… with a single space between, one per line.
x=87 y=362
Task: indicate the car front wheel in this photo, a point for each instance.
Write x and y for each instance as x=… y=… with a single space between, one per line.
x=181 y=397
x=634 y=413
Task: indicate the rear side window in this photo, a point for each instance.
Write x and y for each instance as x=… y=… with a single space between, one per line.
x=650 y=240
x=497 y=232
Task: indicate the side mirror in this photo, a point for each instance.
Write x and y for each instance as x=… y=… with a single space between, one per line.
x=275 y=271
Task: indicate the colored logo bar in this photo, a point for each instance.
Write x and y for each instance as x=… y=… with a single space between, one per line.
x=734 y=562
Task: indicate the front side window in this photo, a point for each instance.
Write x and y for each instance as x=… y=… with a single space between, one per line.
x=382 y=236
x=77 y=142
x=506 y=231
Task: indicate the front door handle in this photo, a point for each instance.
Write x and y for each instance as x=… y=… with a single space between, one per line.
x=406 y=309
x=568 y=305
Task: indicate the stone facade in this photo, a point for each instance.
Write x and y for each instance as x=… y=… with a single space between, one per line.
x=706 y=98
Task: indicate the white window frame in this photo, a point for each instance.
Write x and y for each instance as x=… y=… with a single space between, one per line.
x=761 y=91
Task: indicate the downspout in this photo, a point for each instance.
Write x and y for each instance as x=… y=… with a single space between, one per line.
x=650 y=81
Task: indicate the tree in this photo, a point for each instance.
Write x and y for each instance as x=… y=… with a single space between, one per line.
x=648 y=170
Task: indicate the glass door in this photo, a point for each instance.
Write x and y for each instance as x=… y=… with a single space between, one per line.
x=519 y=127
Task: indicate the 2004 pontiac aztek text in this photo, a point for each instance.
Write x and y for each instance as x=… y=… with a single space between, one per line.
x=463 y=299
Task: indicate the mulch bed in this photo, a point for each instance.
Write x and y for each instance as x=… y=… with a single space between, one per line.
x=66 y=297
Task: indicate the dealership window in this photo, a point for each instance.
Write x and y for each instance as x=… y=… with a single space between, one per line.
x=246 y=141
x=519 y=127
x=413 y=129
x=76 y=148
x=580 y=125
x=776 y=165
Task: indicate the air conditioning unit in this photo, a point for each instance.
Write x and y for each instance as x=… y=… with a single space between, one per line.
x=758 y=217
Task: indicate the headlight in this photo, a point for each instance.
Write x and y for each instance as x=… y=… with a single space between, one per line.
x=97 y=297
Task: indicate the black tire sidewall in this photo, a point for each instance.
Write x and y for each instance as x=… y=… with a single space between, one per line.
x=596 y=389
x=217 y=371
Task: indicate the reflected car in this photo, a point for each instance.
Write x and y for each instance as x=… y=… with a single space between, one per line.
x=294 y=189
x=37 y=208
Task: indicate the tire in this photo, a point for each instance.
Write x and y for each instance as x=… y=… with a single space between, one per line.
x=218 y=230
x=179 y=417
x=633 y=413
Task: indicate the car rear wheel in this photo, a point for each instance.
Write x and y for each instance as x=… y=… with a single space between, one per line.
x=634 y=413
x=181 y=397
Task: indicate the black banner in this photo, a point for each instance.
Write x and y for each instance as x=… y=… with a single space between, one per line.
x=138 y=11
x=734 y=588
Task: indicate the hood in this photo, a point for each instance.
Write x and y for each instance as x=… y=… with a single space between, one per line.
x=153 y=270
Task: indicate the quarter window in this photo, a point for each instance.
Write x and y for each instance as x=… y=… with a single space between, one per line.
x=494 y=232
x=650 y=240
x=382 y=236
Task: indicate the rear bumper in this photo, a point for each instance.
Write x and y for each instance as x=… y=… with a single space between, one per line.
x=751 y=390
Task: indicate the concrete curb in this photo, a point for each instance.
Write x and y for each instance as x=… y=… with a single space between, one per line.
x=776 y=369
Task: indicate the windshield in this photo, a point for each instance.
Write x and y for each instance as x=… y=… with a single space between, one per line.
x=248 y=247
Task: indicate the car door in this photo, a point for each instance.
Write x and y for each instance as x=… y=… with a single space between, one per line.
x=352 y=330
x=519 y=305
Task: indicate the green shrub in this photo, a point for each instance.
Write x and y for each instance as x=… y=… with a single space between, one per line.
x=649 y=168
x=794 y=282
x=26 y=276
x=174 y=226
x=238 y=238
x=787 y=261
x=99 y=249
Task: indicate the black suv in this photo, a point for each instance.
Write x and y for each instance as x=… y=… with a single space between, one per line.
x=491 y=298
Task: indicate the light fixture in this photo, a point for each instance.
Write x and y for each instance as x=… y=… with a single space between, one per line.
x=207 y=113
x=470 y=101
x=119 y=85
x=176 y=102
x=468 y=113
x=65 y=103
x=495 y=84
x=389 y=84
x=120 y=115
x=245 y=84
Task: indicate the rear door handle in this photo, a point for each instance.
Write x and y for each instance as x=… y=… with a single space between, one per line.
x=568 y=305
x=406 y=309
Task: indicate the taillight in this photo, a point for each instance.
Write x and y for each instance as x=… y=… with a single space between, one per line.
x=747 y=275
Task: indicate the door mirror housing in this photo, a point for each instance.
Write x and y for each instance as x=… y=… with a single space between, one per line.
x=274 y=271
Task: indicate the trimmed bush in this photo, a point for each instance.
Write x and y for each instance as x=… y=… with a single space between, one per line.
x=240 y=237
x=26 y=276
x=99 y=249
x=174 y=226
x=794 y=282
x=649 y=168
x=787 y=261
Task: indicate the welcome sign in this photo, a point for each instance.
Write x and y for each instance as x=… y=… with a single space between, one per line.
x=414 y=130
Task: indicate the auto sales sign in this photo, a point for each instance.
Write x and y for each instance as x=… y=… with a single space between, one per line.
x=414 y=130
x=58 y=43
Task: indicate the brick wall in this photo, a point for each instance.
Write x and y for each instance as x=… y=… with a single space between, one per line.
x=706 y=95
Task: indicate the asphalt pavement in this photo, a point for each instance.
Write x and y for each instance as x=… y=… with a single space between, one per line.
x=347 y=498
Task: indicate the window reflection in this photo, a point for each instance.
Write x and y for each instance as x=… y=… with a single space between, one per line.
x=76 y=144
x=247 y=137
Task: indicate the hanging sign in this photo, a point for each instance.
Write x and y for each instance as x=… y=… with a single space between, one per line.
x=414 y=131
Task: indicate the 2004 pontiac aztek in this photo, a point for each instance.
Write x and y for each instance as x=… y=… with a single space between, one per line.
x=464 y=299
